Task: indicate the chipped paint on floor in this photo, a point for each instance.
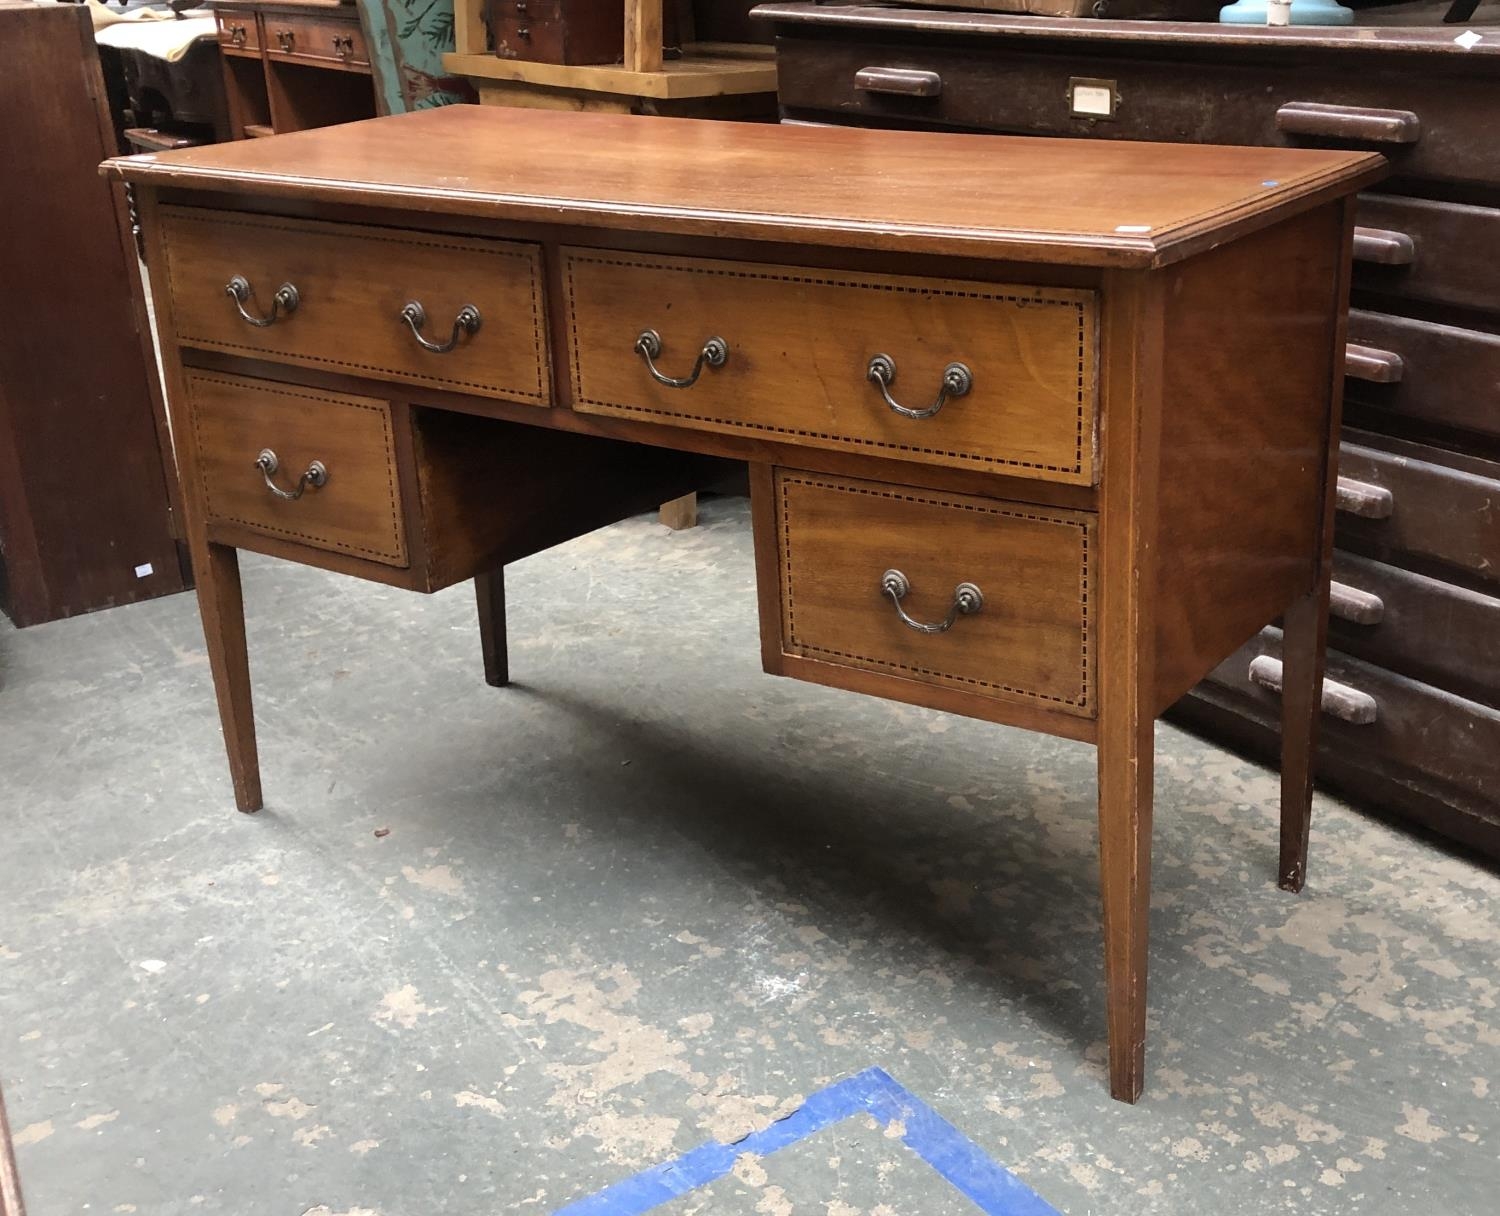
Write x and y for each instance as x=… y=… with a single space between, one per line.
x=650 y=897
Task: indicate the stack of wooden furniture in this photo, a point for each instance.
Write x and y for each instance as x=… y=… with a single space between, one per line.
x=559 y=55
x=293 y=64
x=85 y=487
x=1412 y=710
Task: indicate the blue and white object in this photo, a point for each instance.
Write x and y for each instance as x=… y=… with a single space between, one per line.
x=1304 y=12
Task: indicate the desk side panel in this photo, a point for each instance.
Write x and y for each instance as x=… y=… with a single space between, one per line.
x=1251 y=330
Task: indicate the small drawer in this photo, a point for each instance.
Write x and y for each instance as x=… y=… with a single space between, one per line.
x=1443 y=374
x=972 y=595
x=332 y=460
x=1425 y=249
x=351 y=288
x=985 y=376
x=1398 y=506
x=239 y=33
x=316 y=39
x=1417 y=626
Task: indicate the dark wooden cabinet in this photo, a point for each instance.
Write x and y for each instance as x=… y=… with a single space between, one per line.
x=1412 y=713
x=84 y=455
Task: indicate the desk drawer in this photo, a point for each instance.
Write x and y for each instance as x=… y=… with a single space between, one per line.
x=1012 y=582
x=316 y=39
x=238 y=31
x=1429 y=127
x=352 y=284
x=1449 y=376
x=357 y=507
x=799 y=345
x=1448 y=253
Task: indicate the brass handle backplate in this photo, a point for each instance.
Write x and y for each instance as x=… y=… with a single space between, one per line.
x=315 y=475
x=967 y=600
x=466 y=322
x=286 y=40
x=957 y=381
x=283 y=303
x=237 y=35
x=715 y=353
x=343 y=46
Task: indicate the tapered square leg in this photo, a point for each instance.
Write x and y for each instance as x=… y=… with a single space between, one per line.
x=222 y=607
x=1126 y=746
x=489 y=592
x=1305 y=633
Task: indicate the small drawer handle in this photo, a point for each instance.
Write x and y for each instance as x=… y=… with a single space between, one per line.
x=957 y=381
x=286 y=40
x=1384 y=247
x=237 y=35
x=1363 y=499
x=283 y=303
x=315 y=476
x=900 y=82
x=467 y=322
x=1338 y=700
x=343 y=46
x=967 y=600
x=1373 y=364
x=1363 y=123
x=1355 y=606
x=715 y=353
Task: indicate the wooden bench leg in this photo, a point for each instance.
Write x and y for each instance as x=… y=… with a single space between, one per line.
x=489 y=591
x=1304 y=634
x=680 y=513
x=216 y=569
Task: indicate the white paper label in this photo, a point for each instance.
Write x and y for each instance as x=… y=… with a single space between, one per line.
x=1469 y=40
x=1092 y=99
x=144 y=571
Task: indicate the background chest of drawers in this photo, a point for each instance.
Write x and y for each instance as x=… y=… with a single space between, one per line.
x=293 y=64
x=1412 y=718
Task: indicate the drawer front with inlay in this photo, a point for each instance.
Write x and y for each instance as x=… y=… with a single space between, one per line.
x=303 y=465
x=451 y=312
x=971 y=594
x=972 y=375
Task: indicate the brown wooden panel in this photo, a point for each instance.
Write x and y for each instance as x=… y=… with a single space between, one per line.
x=353 y=282
x=1241 y=482
x=1455 y=251
x=1449 y=376
x=84 y=514
x=1029 y=643
x=558 y=31
x=799 y=348
x=1441 y=516
x=1219 y=101
x=1417 y=626
x=358 y=511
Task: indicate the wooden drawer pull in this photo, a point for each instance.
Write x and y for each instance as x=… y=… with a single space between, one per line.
x=900 y=82
x=1363 y=499
x=1373 y=364
x=1362 y=123
x=1339 y=700
x=283 y=303
x=715 y=353
x=315 y=476
x=1384 y=247
x=957 y=381
x=967 y=600
x=467 y=322
x=1355 y=606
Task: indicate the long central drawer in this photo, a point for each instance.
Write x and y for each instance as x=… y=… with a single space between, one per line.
x=782 y=351
x=339 y=296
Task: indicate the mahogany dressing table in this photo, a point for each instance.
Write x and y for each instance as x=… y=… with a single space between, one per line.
x=1038 y=430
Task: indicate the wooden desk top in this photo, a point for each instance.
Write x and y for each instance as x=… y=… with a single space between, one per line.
x=1130 y=205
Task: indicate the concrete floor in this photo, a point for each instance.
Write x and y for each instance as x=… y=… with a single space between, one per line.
x=650 y=897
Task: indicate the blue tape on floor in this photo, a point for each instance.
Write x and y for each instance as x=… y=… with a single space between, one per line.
x=995 y=1190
